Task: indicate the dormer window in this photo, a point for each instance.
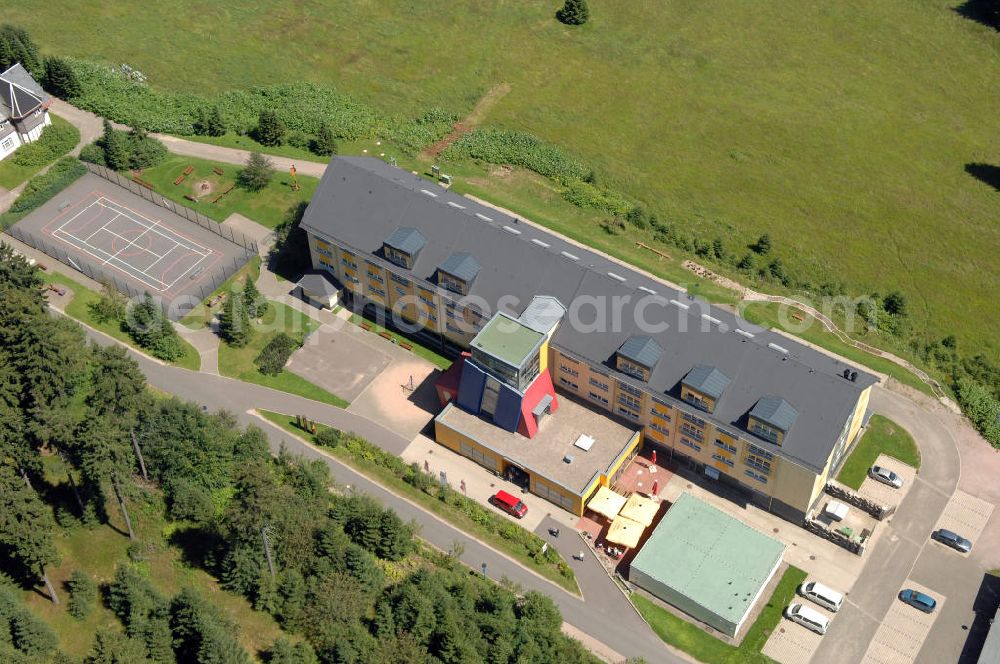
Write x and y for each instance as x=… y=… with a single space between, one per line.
x=403 y=246
x=703 y=386
x=457 y=272
x=771 y=418
x=637 y=357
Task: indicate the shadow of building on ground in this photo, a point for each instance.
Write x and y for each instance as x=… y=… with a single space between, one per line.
x=985 y=606
x=986 y=12
x=987 y=173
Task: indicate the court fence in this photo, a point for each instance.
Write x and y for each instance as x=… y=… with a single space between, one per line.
x=175 y=309
x=249 y=245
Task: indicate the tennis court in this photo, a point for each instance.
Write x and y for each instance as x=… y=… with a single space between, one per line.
x=128 y=240
x=140 y=244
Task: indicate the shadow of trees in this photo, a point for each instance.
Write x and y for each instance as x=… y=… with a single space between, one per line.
x=986 y=12
x=987 y=173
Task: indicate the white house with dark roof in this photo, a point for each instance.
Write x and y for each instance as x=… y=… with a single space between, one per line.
x=24 y=110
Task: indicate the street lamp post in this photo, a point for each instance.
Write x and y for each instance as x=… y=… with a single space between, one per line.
x=484 y=571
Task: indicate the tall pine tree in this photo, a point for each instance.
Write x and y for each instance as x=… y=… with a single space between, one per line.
x=234 y=321
x=574 y=12
x=27 y=527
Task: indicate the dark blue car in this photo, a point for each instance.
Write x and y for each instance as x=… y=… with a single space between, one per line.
x=954 y=540
x=918 y=600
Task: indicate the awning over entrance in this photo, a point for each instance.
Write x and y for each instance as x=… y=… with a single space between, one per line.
x=640 y=509
x=542 y=408
x=606 y=502
x=625 y=531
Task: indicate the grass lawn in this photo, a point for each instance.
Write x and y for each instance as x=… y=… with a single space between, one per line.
x=80 y=309
x=239 y=362
x=439 y=361
x=11 y=175
x=883 y=436
x=767 y=314
x=829 y=126
x=99 y=550
x=706 y=648
x=267 y=207
x=449 y=513
x=202 y=314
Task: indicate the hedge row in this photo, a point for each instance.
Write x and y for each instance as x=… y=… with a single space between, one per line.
x=517 y=148
x=273 y=357
x=41 y=188
x=302 y=107
x=55 y=141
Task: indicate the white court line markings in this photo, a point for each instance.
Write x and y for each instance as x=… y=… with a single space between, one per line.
x=135 y=216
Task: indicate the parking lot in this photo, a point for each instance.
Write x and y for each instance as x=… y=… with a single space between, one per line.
x=903 y=630
x=791 y=643
x=883 y=493
x=965 y=515
x=338 y=359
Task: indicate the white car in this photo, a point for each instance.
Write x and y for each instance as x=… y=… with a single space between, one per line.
x=811 y=619
x=885 y=476
x=825 y=596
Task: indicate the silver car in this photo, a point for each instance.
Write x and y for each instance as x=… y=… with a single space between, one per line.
x=885 y=476
x=954 y=540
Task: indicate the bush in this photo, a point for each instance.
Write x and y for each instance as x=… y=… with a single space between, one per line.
x=60 y=79
x=275 y=354
x=257 y=173
x=517 y=148
x=55 y=141
x=585 y=195
x=82 y=594
x=574 y=12
x=93 y=153
x=41 y=188
x=981 y=407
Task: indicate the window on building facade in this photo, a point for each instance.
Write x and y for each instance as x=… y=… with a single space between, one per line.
x=760 y=464
x=569 y=370
x=630 y=401
x=568 y=383
x=628 y=389
x=697 y=421
x=687 y=443
x=598 y=384
x=719 y=457
x=726 y=446
x=696 y=401
x=402 y=281
x=757 y=476
x=376 y=291
x=759 y=451
x=594 y=396
x=767 y=433
x=660 y=411
x=656 y=427
x=628 y=413
x=691 y=431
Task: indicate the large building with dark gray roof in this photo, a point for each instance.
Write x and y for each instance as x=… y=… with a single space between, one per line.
x=744 y=405
x=23 y=110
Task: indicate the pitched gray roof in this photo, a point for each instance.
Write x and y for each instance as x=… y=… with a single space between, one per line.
x=641 y=350
x=462 y=265
x=317 y=282
x=362 y=200
x=775 y=411
x=707 y=380
x=20 y=94
x=408 y=240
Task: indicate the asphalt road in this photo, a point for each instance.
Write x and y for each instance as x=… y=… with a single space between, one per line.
x=906 y=552
x=605 y=615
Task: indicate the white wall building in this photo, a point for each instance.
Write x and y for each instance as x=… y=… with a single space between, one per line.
x=24 y=110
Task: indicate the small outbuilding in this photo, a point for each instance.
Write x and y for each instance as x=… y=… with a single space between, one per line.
x=706 y=563
x=318 y=290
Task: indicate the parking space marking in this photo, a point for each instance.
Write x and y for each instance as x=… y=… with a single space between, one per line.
x=903 y=630
x=791 y=643
x=966 y=515
x=883 y=493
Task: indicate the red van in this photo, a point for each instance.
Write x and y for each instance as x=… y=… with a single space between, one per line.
x=510 y=504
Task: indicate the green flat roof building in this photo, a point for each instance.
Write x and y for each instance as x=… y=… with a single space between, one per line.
x=706 y=563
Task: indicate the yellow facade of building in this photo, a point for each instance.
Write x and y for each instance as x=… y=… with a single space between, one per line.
x=680 y=431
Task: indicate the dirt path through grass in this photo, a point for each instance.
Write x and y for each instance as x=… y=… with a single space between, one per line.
x=464 y=126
